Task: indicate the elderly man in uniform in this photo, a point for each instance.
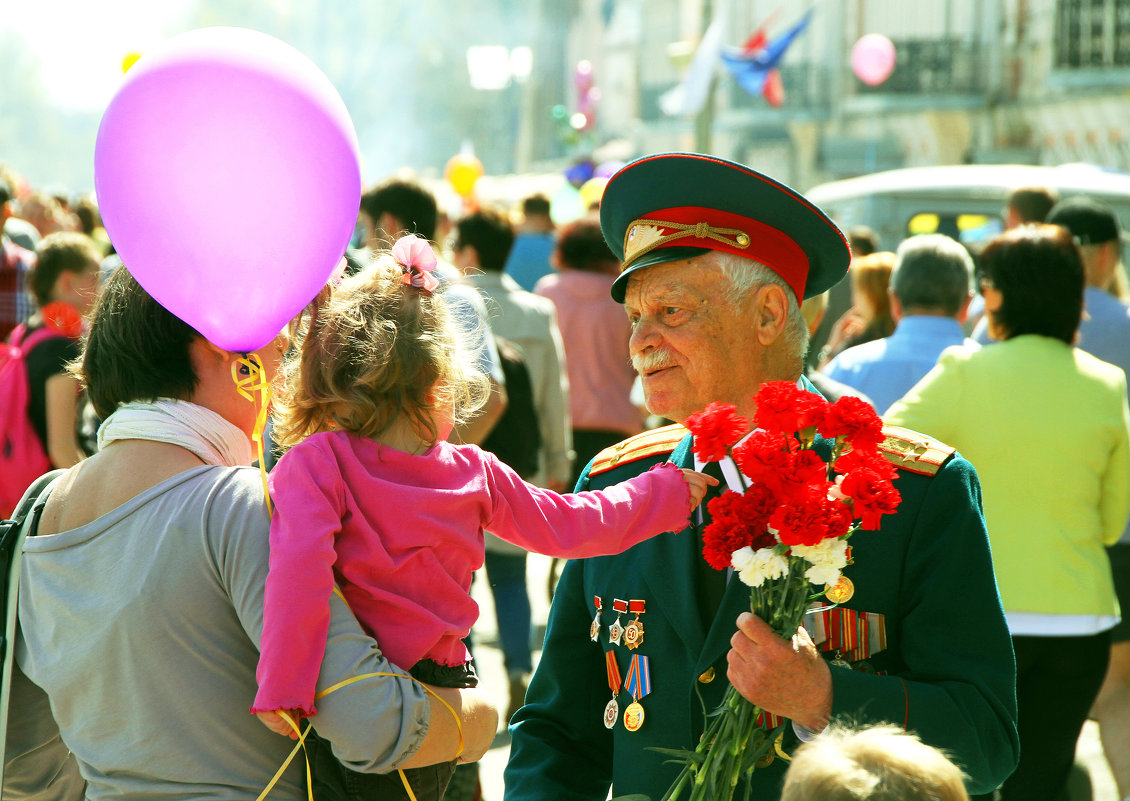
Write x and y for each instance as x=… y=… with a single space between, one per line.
x=716 y=259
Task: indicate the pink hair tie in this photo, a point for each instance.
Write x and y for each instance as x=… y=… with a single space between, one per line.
x=416 y=257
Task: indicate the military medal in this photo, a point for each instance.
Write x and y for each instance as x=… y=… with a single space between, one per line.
x=638 y=684
x=633 y=632
x=840 y=592
x=612 y=710
x=594 y=629
x=615 y=631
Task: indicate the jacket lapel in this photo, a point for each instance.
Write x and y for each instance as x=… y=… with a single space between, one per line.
x=670 y=573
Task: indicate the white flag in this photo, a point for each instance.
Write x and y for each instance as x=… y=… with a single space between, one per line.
x=690 y=95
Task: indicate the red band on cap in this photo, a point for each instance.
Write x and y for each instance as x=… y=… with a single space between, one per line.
x=766 y=244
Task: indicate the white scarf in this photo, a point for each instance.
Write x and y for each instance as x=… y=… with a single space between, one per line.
x=199 y=430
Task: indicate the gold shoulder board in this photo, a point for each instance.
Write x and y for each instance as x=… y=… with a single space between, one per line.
x=912 y=451
x=649 y=443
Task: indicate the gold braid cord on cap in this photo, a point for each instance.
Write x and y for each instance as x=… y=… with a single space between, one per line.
x=644 y=236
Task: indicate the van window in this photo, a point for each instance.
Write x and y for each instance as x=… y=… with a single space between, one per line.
x=962 y=227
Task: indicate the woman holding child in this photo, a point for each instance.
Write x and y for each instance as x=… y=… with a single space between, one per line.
x=141 y=600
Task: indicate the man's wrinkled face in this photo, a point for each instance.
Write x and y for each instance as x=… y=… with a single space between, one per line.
x=689 y=343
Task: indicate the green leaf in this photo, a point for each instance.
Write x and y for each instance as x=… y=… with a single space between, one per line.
x=679 y=753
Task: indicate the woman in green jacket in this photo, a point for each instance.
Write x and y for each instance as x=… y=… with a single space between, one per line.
x=1047 y=427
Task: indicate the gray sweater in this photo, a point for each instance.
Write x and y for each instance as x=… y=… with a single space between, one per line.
x=143 y=628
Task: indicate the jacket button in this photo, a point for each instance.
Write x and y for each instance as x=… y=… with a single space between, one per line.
x=707 y=676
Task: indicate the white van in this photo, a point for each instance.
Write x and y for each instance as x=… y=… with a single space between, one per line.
x=965 y=201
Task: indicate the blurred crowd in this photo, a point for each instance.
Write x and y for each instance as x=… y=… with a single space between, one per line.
x=1013 y=350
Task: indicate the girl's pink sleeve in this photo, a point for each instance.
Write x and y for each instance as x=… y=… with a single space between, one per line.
x=307 y=497
x=592 y=523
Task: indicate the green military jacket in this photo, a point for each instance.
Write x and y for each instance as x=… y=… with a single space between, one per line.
x=945 y=671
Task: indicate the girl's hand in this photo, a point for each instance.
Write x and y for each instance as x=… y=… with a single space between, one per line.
x=278 y=724
x=698 y=483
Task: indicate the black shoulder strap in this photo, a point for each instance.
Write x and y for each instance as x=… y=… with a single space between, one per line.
x=30 y=505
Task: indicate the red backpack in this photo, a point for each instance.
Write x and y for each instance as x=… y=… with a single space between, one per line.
x=22 y=457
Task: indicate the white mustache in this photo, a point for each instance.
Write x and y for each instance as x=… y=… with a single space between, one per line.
x=652 y=360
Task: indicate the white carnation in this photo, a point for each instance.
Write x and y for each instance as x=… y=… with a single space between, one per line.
x=827 y=560
x=754 y=567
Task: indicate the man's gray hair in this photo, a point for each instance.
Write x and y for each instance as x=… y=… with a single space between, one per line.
x=932 y=272
x=747 y=275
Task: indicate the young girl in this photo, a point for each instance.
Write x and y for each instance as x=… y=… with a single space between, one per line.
x=372 y=498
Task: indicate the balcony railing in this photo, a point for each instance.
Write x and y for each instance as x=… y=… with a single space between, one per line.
x=924 y=66
x=934 y=66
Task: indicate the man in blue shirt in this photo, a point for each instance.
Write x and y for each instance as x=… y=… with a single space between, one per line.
x=931 y=286
x=533 y=247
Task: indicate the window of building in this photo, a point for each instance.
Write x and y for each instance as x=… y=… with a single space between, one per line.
x=1092 y=33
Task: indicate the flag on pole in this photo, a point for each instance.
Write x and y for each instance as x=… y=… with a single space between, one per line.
x=752 y=68
x=690 y=95
x=759 y=38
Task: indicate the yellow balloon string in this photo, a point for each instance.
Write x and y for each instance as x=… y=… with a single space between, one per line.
x=249 y=377
x=334 y=688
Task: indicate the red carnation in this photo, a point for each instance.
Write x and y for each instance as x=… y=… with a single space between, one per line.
x=855 y=420
x=715 y=429
x=719 y=547
x=737 y=520
x=872 y=496
x=811 y=518
x=779 y=405
x=763 y=456
x=866 y=460
x=807 y=469
x=811 y=409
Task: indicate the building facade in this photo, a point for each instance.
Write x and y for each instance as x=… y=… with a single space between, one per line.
x=975 y=81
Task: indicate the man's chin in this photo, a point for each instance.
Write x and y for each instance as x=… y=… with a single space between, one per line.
x=662 y=407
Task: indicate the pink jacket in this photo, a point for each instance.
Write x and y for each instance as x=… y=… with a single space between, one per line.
x=595 y=332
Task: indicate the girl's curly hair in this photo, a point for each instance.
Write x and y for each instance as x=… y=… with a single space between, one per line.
x=371 y=350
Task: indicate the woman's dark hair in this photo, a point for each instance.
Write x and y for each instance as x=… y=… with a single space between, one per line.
x=581 y=246
x=58 y=253
x=1039 y=273
x=135 y=350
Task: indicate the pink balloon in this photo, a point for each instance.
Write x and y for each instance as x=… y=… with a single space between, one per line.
x=582 y=76
x=873 y=59
x=228 y=177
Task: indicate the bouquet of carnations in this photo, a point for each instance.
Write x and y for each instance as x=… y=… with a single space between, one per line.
x=785 y=533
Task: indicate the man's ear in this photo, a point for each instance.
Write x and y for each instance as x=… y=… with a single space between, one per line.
x=963 y=312
x=770 y=313
x=895 y=304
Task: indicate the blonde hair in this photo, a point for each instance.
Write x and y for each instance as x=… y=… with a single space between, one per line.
x=373 y=350
x=871 y=277
x=881 y=763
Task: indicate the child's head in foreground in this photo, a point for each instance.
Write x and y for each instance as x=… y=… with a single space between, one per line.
x=379 y=350
x=881 y=763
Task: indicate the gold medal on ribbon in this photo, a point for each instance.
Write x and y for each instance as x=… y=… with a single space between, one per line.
x=633 y=716
x=638 y=683
x=633 y=632
x=840 y=592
